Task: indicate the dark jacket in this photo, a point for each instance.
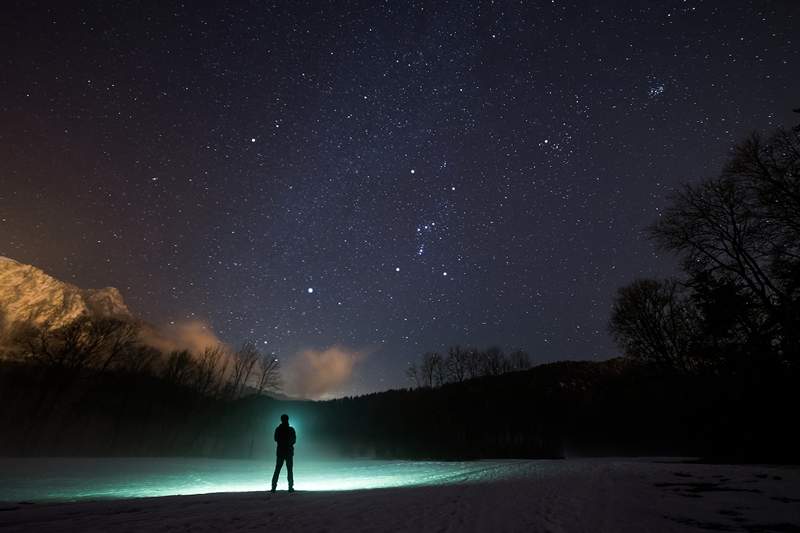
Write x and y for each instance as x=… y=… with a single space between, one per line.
x=285 y=437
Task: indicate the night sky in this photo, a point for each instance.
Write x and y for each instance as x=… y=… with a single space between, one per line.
x=388 y=177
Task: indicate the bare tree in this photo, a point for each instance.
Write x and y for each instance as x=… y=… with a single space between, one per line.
x=244 y=362
x=57 y=347
x=119 y=337
x=718 y=229
x=209 y=376
x=179 y=367
x=431 y=369
x=492 y=361
x=83 y=343
x=456 y=364
x=519 y=360
x=474 y=363
x=413 y=375
x=743 y=227
x=652 y=322
x=139 y=359
x=268 y=375
x=770 y=169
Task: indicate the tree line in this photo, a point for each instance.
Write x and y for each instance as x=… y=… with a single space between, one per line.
x=737 y=301
x=94 y=387
x=91 y=346
x=709 y=356
x=460 y=364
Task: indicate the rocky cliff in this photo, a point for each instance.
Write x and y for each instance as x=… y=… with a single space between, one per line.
x=27 y=294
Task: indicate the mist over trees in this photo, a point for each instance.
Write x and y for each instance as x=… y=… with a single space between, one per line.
x=91 y=386
x=89 y=348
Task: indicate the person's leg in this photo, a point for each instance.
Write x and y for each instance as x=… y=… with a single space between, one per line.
x=278 y=465
x=289 y=472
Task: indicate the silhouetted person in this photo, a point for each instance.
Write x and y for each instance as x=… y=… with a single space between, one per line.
x=285 y=437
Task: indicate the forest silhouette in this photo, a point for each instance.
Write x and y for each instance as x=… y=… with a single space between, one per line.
x=709 y=363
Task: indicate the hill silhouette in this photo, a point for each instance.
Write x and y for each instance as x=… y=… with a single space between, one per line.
x=613 y=407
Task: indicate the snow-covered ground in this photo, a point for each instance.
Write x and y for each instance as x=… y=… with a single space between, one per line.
x=613 y=495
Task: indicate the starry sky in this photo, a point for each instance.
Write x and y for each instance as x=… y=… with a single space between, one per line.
x=390 y=177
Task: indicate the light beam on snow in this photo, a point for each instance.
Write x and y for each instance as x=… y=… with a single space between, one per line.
x=60 y=479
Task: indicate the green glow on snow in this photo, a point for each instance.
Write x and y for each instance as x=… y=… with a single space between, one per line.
x=52 y=479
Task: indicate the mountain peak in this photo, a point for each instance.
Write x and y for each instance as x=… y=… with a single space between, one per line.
x=29 y=295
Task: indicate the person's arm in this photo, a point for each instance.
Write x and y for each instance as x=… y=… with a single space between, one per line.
x=293 y=436
x=276 y=434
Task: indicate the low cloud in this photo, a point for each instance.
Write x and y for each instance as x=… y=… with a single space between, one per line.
x=317 y=374
x=192 y=335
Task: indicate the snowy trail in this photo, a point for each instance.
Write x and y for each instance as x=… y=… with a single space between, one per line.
x=594 y=495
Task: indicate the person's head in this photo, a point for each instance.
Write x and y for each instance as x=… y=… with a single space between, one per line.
x=284 y=419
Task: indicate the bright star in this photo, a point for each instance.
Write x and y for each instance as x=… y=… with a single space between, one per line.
x=656 y=90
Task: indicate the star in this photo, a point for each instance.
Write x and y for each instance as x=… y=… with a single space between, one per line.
x=560 y=155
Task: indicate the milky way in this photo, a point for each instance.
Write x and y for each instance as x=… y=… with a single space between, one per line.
x=388 y=177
